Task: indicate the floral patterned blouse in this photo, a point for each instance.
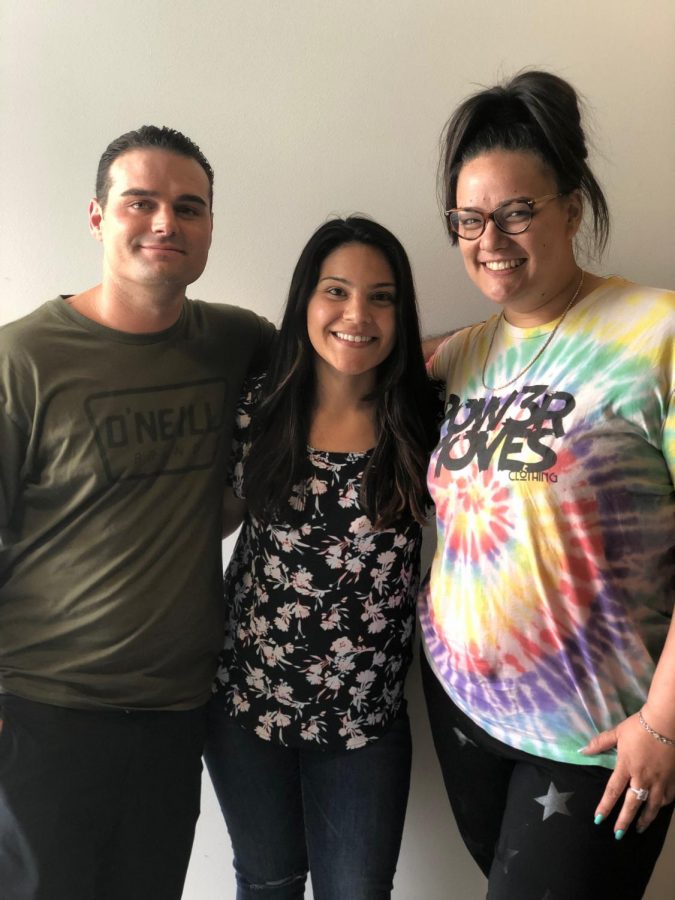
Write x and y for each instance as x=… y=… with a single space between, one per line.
x=321 y=610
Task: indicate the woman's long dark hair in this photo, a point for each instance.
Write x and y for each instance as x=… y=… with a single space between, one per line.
x=394 y=481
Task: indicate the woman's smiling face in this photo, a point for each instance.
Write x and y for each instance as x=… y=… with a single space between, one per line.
x=522 y=272
x=351 y=316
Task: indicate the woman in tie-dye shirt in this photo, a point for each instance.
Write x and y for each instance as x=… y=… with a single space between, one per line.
x=550 y=661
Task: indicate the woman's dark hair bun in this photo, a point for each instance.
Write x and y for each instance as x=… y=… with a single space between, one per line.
x=534 y=112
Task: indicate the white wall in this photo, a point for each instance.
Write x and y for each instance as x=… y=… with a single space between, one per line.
x=307 y=108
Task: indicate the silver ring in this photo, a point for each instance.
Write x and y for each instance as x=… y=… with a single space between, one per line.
x=641 y=793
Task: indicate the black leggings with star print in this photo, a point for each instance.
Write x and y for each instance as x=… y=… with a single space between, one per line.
x=528 y=821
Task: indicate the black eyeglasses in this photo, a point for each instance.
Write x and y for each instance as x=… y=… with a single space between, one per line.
x=511 y=217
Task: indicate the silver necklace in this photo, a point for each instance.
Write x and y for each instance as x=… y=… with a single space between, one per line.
x=541 y=350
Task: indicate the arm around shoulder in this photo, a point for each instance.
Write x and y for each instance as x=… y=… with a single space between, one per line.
x=431 y=344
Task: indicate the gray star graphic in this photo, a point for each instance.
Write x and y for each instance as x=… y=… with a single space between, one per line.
x=554 y=802
x=463 y=739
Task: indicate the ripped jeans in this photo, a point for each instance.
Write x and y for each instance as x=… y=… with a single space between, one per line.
x=338 y=814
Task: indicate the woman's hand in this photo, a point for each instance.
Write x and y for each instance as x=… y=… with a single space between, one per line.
x=642 y=763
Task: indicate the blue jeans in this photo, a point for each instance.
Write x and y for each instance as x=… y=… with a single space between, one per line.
x=337 y=813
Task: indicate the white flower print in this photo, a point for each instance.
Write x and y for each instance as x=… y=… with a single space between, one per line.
x=379 y=579
x=344 y=663
x=273 y=568
x=342 y=645
x=317 y=486
x=256 y=679
x=353 y=731
x=361 y=525
x=407 y=630
x=281 y=720
x=287 y=539
x=273 y=653
x=222 y=677
x=395 y=600
x=301 y=580
x=359 y=695
x=310 y=731
x=320 y=610
x=372 y=613
x=247 y=581
x=282 y=621
x=239 y=703
x=330 y=620
x=333 y=683
x=238 y=473
x=365 y=544
x=259 y=626
x=264 y=729
x=320 y=461
x=349 y=496
x=386 y=558
x=283 y=693
x=355 y=564
x=334 y=556
x=314 y=673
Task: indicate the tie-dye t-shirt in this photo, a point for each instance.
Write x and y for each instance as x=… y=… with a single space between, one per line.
x=553 y=583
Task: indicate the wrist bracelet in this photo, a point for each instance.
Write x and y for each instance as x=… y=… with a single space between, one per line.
x=648 y=728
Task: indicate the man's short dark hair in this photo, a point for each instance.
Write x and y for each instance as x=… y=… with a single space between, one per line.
x=148 y=136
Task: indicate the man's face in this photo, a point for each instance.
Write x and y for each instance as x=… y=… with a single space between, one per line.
x=156 y=224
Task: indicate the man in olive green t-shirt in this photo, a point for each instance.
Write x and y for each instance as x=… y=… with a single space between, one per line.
x=116 y=407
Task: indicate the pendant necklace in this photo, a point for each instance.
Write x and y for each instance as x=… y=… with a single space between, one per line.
x=541 y=350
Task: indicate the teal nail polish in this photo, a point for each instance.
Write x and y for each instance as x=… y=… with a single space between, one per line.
x=599 y=818
x=619 y=834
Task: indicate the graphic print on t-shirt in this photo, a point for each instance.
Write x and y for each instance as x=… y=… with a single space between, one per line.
x=153 y=431
x=511 y=429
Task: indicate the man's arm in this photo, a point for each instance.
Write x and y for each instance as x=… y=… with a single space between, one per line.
x=14 y=445
x=234 y=510
x=431 y=344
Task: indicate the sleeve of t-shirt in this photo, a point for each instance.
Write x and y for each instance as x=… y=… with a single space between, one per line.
x=241 y=436
x=266 y=341
x=669 y=437
x=668 y=368
x=14 y=445
x=437 y=364
x=17 y=415
x=439 y=361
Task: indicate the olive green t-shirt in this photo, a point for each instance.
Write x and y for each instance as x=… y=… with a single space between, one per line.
x=113 y=452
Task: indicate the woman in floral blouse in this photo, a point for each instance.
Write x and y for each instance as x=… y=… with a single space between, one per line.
x=310 y=742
